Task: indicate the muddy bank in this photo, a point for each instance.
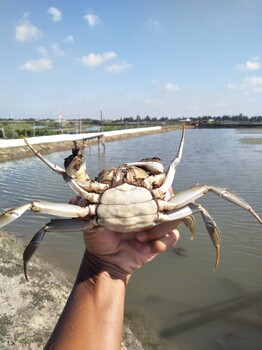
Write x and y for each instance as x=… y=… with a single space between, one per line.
x=14 y=153
x=29 y=311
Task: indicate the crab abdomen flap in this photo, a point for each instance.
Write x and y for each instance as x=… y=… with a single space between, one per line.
x=126 y=207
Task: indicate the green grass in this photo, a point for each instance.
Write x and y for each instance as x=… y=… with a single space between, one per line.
x=252 y=140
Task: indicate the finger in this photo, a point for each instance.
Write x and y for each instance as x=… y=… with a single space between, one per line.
x=169 y=194
x=158 y=231
x=163 y=244
x=74 y=200
x=82 y=202
x=77 y=200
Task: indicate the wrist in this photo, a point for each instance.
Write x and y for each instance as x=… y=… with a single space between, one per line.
x=93 y=315
x=93 y=267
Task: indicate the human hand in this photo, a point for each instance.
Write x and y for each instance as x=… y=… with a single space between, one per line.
x=120 y=253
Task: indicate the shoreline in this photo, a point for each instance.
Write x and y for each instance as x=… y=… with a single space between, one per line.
x=21 y=152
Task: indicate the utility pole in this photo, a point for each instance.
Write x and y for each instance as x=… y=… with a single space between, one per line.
x=101 y=118
x=79 y=123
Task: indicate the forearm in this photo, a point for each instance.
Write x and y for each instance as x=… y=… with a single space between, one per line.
x=93 y=316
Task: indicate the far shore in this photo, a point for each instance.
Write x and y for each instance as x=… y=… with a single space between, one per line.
x=15 y=153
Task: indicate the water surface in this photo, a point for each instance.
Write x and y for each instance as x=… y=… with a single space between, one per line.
x=187 y=305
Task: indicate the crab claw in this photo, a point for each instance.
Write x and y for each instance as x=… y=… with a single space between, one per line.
x=74 y=164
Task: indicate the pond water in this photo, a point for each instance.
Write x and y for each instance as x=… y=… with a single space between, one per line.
x=186 y=304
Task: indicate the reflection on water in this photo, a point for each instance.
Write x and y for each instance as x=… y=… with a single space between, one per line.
x=188 y=305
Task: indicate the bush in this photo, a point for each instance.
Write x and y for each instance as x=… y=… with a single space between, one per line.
x=11 y=134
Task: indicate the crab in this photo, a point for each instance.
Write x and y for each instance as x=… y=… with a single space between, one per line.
x=127 y=198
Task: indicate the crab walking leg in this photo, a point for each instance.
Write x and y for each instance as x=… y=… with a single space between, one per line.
x=210 y=224
x=31 y=248
x=57 y=225
x=77 y=188
x=233 y=198
x=185 y=214
x=90 y=196
x=213 y=231
x=159 y=192
x=10 y=215
x=54 y=167
x=178 y=214
x=65 y=210
x=185 y=197
x=80 y=190
x=189 y=221
x=59 y=209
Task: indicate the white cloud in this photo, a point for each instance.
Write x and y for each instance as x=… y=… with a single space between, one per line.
x=56 y=50
x=69 y=39
x=26 y=32
x=118 y=68
x=92 y=19
x=93 y=59
x=171 y=87
x=248 y=85
x=249 y=66
x=55 y=13
x=42 y=64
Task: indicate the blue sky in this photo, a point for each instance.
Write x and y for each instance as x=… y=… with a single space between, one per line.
x=175 y=58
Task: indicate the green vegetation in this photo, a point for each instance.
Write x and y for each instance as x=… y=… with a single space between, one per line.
x=10 y=128
x=31 y=127
x=252 y=140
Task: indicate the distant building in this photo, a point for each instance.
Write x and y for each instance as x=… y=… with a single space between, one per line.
x=187 y=120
